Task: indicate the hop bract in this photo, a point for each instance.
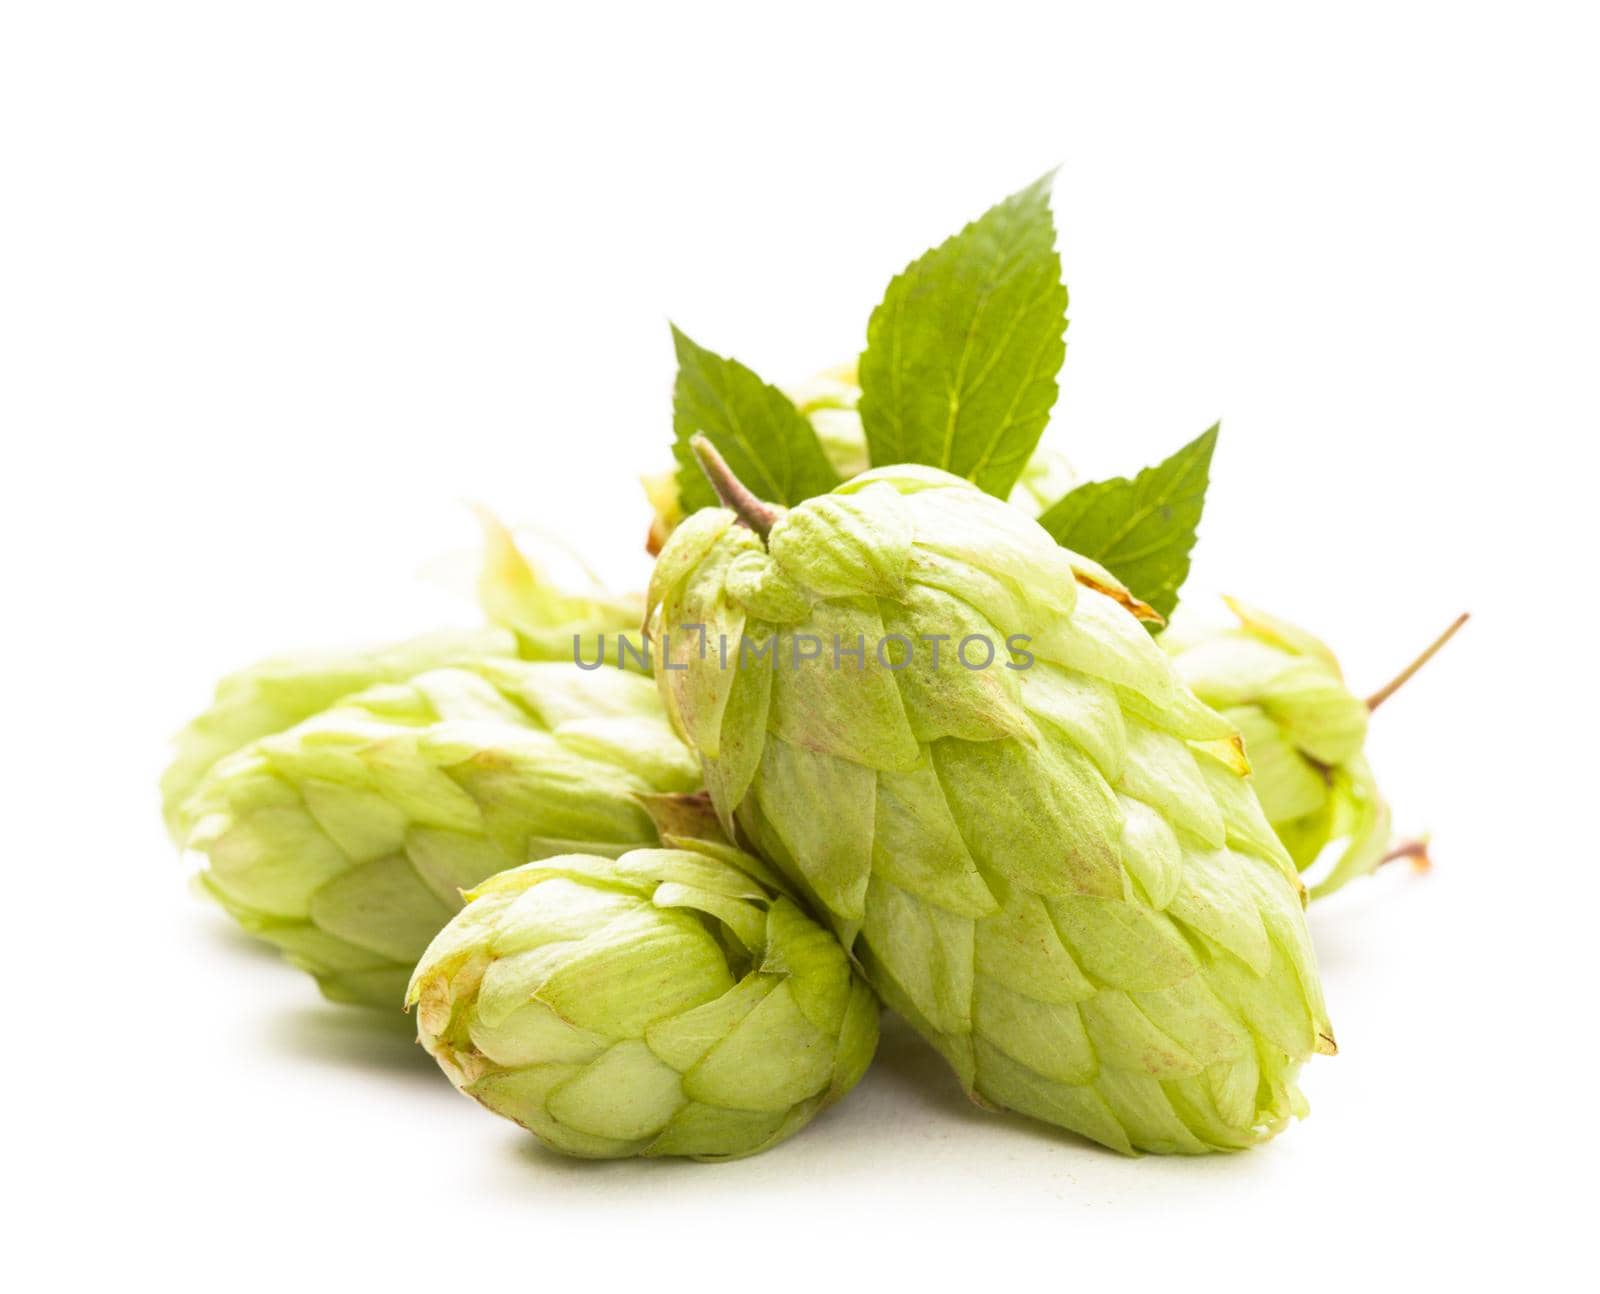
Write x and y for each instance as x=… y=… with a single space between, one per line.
x=664 y=1003
x=1051 y=864
x=346 y=839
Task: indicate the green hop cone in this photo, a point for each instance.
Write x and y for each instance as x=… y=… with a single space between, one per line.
x=1058 y=873
x=1304 y=731
x=666 y=1002
x=828 y=401
x=346 y=839
x=530 y=616
x=279 y=692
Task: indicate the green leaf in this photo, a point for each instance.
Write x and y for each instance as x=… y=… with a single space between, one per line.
x=962 y=353
x=769 y=446
x=1142 y=530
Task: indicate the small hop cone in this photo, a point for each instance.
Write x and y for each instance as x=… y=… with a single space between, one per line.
x=1304 y=731
x=346 y=840
x=667 y=1002
x=550 y=622
x=1059 y=874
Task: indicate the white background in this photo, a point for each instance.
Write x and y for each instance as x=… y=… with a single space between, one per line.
x=282 y=286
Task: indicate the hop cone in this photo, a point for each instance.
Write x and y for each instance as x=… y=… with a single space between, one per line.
x=532 y=617
x=1303 y=728
x=1057 y=873
x=663 y=1003
x=346 y=839
x=828 y=402
x=279 y=692
x=1304 y=731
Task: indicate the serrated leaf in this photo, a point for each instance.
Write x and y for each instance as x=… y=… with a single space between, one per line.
x=1141 y=530
x=766 y=442
x=963 y=351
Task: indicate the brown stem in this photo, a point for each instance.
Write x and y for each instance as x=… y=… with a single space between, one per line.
x=1415 y=850
x=1400 y=679
x=731 y=490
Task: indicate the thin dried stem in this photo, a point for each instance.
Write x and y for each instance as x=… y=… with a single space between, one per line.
x=1415 y=850
x=731 y=490
x=1400 y=679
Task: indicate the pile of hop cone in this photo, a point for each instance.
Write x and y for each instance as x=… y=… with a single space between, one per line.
x=900 y=723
